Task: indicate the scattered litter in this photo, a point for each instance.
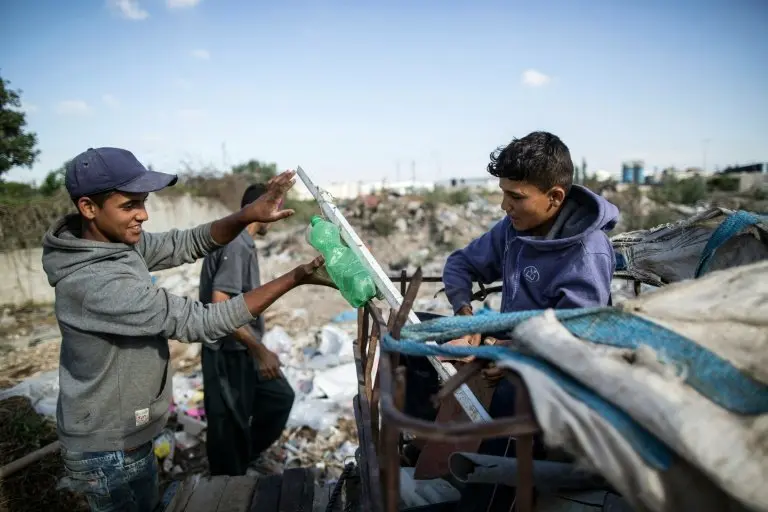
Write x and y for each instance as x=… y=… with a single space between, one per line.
x=277 y=340
x=339 y=383
x=418 y=493
x=315 y=413
x=185 y=440
x=336 y=342
x=346 y=316
x=42 y=392
x=192 y=426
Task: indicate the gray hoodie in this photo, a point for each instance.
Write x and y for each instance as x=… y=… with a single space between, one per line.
x=114 y=378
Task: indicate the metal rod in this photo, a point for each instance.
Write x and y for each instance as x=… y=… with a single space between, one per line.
x=468 y=401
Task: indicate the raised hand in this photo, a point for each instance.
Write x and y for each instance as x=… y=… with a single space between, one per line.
x=267 y=208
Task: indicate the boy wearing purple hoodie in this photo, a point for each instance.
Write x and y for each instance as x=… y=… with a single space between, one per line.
x=549 y=251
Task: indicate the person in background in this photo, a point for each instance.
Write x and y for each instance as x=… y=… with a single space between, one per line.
x=247 y=398
x=114 y=379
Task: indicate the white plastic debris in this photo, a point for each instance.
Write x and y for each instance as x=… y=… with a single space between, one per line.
x=41 y=390
x=277 y=340
x=317 y=414
x=339 y=383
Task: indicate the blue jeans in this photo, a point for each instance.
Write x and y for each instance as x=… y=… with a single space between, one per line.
x=114 y=481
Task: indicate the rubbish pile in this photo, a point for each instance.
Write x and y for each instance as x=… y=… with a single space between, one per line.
x=319 y=364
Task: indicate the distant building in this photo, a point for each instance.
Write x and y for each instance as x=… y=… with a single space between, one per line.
x=633 y=172
x=353 y=189
x=751 y=177
x=758 y=167
x=478 y=183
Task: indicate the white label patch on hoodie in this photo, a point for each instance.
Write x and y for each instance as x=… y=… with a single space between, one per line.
x=142 y=417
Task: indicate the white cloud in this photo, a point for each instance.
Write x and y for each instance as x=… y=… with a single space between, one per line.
x=129 y=9
x=181 y=4
x=110 y=101
x=533 y=78
x=73 y=107
x=201 y=54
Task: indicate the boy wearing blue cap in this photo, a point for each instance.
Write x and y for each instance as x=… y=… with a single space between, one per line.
x=114 y=379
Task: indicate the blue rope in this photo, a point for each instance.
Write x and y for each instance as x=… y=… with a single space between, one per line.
x=730 y=227
x=707 y=372
x=654 y=452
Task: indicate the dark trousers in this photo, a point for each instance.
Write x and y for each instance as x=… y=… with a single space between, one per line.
x=245 y=413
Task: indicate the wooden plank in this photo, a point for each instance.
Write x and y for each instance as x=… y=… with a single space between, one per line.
x=370 y=475
x=238 y=494
x=183 y=494
x=298 y=490
x=207 y=494
x=266 y=496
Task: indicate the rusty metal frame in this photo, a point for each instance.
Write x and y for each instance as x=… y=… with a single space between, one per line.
x=380 y=402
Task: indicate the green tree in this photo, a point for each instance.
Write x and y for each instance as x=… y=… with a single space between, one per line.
x=254 y=169
x=17 y=146
x=53 y=182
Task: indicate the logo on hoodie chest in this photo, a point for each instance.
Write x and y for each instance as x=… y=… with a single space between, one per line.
x=531 y=274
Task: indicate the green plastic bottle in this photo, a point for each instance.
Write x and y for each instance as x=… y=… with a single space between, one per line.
x=344 y=268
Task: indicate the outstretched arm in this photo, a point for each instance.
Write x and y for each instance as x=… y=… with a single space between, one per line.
x=176 y=247
x=137 y=308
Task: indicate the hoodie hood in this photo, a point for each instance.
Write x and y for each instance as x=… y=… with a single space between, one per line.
x=64 y=253
x=583 y=212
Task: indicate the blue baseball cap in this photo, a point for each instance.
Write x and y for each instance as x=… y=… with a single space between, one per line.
x=105 y=169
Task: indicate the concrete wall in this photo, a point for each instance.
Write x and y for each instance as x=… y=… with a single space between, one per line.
x=23 y=280
x=752 y=180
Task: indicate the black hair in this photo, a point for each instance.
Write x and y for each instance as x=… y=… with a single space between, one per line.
x=539 y=158
x=99 y=198
x=252 y=193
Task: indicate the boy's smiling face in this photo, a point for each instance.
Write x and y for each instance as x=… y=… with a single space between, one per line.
x=528 y=207
x=116 y=218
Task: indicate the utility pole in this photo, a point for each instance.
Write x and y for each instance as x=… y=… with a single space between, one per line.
x=705 y=146
x=224 y=159
x=413 y=172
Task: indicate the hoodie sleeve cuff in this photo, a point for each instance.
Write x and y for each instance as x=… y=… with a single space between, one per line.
x=242 y=314
x=459 y=299
x=208 y=236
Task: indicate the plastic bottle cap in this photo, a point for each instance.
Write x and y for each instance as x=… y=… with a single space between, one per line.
x=315 y=219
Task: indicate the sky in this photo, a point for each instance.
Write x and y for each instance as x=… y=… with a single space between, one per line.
x=362 y=90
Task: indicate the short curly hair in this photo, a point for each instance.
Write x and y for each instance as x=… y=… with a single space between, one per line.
x=539 y=158
x=252 y=193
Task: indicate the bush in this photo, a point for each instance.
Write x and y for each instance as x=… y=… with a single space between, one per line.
x=441 y=195
x=304 y=210
x=23 y=224
x=723 y=183
x=227 y=188
x=687 y=191
x=384 y=224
